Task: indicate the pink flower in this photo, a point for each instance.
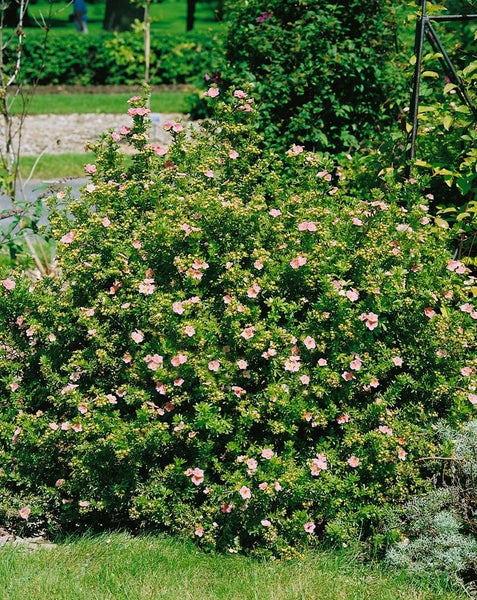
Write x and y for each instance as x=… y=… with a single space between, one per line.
x=385 y=429
x=209 y=173
x=472 y=398
x=53 y=426
x=161 y=389
x=214 y=365
x=429 y=312
x=263 y=486
x=180 y=359
x=322 y=362
x=240 y=94
x=297 y=262
x=309 y=342
x=466 y=371
x=82 y=408
x=263 y=17
x=265 y=523
x=267 y=453
x=353 y=461
x=14 y=386
x=318 y=464
x=226 y=508
x=177 y=127
x=402 y=453
x=352 y=295
x=248 y=333
x=347 y=376
x=90 y=169
x=105 y=222
x=178 y=308
x=197 y=476
x=213 y=92
x=83 y=503
x=357 y=222
x=253 y=291
x=295 y=150
x=189 y=330
x=274 y=212
x=252 y=464
x=292 y=364
x=199 y=531
x=238 y=391
x=304 y=379
x=154 y=362
x=25 y=513
x=8 y=284
x=371 y=320
x=307 y=226
x=374 y=382
x=258 y=264
x=178 y=382
x=137 y=336
x=457 y=266
x=245 y=492
x=68 y=237
x=309 y=527
x=77 y=427
x=397 y=361
x=356 y=363
x=146 y=287
x=233 y=154
x=344 y=418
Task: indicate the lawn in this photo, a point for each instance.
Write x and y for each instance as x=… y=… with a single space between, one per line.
x=64 y=104
x=120 y=567
x=168 y=16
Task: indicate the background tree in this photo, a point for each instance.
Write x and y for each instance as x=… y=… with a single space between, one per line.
x=120 y=14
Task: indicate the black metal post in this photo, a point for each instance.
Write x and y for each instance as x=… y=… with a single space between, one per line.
x=416 y=84
x=424 y=28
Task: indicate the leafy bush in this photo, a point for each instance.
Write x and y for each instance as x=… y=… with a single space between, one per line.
x=115 y=59
x=235 y=349
x=322 y=71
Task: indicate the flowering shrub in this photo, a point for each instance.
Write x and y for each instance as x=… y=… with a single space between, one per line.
x=234 y=350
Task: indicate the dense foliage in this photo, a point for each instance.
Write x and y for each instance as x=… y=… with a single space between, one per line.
x=114 y=58
x=234 y=348
x=322 y=70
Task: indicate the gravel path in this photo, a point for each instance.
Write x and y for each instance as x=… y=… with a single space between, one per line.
x=60 y=134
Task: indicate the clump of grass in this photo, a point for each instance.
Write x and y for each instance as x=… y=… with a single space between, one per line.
x=119 y=566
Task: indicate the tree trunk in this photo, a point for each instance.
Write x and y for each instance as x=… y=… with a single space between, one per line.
x=11 y=15
x=190 y=14
x=120 y=14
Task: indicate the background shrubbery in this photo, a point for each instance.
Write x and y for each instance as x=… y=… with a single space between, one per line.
x=115 y=58
x=325 y=73
x=236 y=348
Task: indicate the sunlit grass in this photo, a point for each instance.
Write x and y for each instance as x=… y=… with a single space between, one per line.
x=119 y=567
x=55 y=166
x=63 y=104
x=168 y=16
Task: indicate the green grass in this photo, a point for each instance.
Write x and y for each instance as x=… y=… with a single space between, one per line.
x=168 y=16
x=119 y=567
x=55 y=166
x=63 y=104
